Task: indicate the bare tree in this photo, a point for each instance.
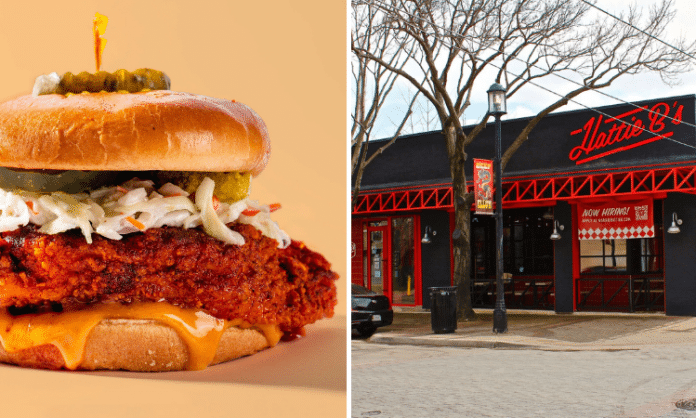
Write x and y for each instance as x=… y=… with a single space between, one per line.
x=373 y=83
x=424 y=117
x=517 y=43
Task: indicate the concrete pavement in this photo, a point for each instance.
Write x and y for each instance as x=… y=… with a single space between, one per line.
x=646 y=366
x=407 y=381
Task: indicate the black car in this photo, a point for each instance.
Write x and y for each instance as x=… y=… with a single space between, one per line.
x=369 y=310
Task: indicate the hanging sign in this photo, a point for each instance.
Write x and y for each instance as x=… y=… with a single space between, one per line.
x=616 y=220
x=483 y=186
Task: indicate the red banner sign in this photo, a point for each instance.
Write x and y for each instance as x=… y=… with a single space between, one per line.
x=616 y=220
x=483 y=186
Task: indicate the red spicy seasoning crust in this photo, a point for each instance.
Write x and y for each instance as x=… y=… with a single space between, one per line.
x=256 y=282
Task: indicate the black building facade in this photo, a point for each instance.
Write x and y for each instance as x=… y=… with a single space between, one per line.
x=615 y=178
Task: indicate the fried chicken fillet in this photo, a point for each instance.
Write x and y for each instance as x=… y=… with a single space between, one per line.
x=256 y=282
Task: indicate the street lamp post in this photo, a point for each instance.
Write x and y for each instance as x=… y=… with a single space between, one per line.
x=498 y=107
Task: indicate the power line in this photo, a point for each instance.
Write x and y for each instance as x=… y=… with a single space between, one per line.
x=609 y=116
x=638 y=29
x=542 y=87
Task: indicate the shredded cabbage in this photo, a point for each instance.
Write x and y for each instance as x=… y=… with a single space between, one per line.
x=211 y=222
x=115 y=211
x=14 y=211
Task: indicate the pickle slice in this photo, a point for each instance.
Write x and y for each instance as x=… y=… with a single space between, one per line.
x=229 y=187
x=70 y=181
x=142 y=79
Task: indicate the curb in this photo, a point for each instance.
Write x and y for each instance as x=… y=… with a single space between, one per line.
x=445 y=342
x=437 y=340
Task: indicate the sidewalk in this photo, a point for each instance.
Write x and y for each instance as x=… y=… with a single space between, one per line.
x=544 y=330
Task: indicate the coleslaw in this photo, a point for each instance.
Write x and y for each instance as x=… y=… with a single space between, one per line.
x=136 y=206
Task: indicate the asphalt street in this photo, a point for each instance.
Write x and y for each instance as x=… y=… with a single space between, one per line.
x=401 y=381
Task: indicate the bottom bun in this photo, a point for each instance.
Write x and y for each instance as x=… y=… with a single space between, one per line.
x=137 y=345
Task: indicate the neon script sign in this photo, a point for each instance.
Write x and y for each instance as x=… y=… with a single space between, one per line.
x=602 y=137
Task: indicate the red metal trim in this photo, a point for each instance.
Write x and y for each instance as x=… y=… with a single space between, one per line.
x=405 y=200
x=418 y=262
x=538 y=191
x=576 y=253
x=357 y=270
x=451 y=246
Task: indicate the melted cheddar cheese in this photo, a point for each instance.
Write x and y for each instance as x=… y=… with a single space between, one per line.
x=68 y=331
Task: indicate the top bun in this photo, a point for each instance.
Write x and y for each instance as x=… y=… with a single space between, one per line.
x=154 y=130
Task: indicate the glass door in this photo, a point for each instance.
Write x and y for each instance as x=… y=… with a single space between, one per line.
x=403 y=284
x=378 y=258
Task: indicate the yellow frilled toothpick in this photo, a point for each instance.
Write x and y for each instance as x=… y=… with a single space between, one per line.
x=99 y=27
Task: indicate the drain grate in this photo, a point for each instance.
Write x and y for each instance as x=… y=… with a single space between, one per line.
x=688 y=404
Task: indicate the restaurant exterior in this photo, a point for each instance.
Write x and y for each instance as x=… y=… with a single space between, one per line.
x=617 y=183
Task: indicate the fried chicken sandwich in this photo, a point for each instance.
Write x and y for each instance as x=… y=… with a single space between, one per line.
x=127 y=236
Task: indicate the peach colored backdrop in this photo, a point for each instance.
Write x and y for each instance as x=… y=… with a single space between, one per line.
x=287 y=60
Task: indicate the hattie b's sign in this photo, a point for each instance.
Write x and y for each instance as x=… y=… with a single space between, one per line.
x=616 y=220
x=603 y=135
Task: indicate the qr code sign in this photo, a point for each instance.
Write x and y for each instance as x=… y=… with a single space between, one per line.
x=641 y=213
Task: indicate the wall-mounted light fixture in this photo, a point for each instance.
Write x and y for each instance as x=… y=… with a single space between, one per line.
x=555 y=235
x=674 y=229
x=426 y=237
x=548 y=214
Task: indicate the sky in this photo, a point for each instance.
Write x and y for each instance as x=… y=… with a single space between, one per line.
x=627 y=88
x=532 y=99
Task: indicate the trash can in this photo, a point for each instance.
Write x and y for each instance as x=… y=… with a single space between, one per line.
x=443 y=309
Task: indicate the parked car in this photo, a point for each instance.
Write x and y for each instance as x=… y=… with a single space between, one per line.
x=369 y=310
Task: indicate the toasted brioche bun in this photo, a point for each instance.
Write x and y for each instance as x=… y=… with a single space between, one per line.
x=155 y=130
x=137 y=345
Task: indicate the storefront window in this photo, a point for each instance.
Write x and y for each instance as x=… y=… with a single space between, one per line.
x=366 y=264
x=620 y=256
x=389 y=258
x=527 y=249
x=482 y=261
x=603 y=256
x=634 y=256
x=377 y=260
x=403 y=261
x=526 y=244
x=651 y=255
